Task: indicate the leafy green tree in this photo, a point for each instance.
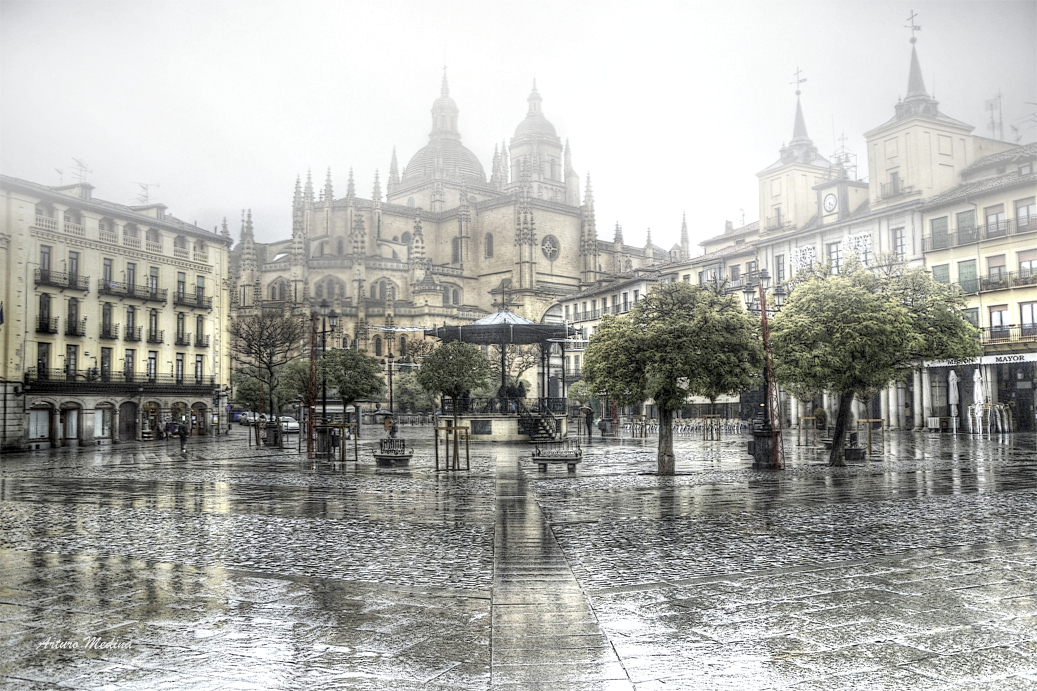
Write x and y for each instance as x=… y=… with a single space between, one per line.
x=453 y=370
x=354 y=374
x=579 y=392
x=410 y=395
x=680 y=340
x=854 y=332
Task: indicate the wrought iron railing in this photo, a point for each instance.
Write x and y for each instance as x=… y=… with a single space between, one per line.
x=492 y=406
x=141 y=292
x=998 y=281
x=183 y=339
x=60 y=279
x=893 y=189
x=201 y=341
x=92 y=374
x=192 y=300
x=1009 y=334
x=75 y=327
x=133 y=333
x=47 y=325
x=970 y=234
x=156 y=336
x=109 y=331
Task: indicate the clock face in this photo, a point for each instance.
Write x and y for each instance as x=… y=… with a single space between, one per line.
x=550 y=247
x=830 y=202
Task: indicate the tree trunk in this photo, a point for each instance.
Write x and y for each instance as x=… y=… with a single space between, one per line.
x=667 y=463
x=457 y=442
x=842 y=421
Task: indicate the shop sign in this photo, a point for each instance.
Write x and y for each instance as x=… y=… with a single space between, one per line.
x=1008 y=359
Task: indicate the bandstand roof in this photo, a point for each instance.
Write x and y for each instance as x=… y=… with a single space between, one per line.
x=501 y=327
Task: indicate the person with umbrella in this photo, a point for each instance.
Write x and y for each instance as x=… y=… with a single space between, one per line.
x=588 y=417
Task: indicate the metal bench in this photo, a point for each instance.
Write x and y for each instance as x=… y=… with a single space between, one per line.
x=565 y=451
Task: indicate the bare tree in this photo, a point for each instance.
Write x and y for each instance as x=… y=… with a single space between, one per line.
x=265 y=343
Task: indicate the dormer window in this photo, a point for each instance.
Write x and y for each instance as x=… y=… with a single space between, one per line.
x=1026 y=168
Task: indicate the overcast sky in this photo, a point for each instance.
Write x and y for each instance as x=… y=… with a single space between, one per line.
x=672 y=107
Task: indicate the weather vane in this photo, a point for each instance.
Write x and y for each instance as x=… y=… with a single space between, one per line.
x=799 y=80
x=914 y=27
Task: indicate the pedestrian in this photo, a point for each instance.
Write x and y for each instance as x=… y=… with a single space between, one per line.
x=182 y=433
x=602 y=425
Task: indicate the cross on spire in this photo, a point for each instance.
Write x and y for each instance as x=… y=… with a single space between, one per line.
x=799 y=80
x=914 y=27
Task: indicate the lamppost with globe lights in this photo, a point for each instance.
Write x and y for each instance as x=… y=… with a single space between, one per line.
x=766 y=448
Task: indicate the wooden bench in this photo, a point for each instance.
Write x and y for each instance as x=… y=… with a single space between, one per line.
x=565 y=451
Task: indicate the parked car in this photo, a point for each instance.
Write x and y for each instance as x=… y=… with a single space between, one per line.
x=248 y=418
x=289 y=425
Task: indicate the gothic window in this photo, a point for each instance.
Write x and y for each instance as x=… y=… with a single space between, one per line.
x=320 y=290
x=374 y=291
x=406 y=238
x=377 y=345
x=341 y=246
x=273 y=292
x=446 y=295
x=382 y=290
x=403 y=346
x=455 y=250
x=489 y=245
x=456 y=296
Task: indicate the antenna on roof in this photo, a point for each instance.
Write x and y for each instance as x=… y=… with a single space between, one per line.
x=61 y=176
x=996 y=125
x=80 y=170
x=145 y=188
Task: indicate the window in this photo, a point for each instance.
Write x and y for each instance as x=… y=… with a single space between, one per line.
x=626 y=302
x=456 y=296
x=377 y=345
x=127 y=363
x=995 y=216
x=967 y=276
x=181 y=322
x=489 y=245
x=403 y=346
x=1026 y=213
x=179 y=368
x=106 y=364
x=131 y=273
x=73 y=311
x=736 y=274
x=835 y=256
x=131 y=319
x=200 y=286
x=341 y=246
x=455 y=250
x=152 y=365
x=106 y=318
x=107 y=269
x=153 y=280
x=181 y=283
x=942 y=273
x=996 y=267
x=273 y=292
x=71 y=361
x=44 y=306
x=938 y=231
x=153 y=323
x=199 y=326
x=779 y=267
x=635 y=294
x=42 y=359
x=1027 y=263
x=899 y=243
x=752 y=267
x=967 y=231
x=199 y=368
x=1028 y=318
x=999 y=321
x=320 y=290
x=406 y=238
x=73 y=264
x=567 y=313
x=1026 y=168
x=44 y=258
x=687 y=278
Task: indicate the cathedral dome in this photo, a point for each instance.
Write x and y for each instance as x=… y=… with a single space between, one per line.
x=444 y=158
x=535 y=126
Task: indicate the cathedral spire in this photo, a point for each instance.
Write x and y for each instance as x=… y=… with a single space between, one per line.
x=444 y=90
x=329 y=194
x=534 y=100
x=394 y=173
x=376 y=193
x=684 y=236
x=297 y=200
x=224 y=232
x=799 y=129
x=308 y=190
x=248 y=246
x=917 y=101
x=568 y=157
x=588 y=196
x=350 y=187
x=619 y=234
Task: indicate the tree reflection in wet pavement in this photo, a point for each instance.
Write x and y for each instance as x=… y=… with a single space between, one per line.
x=134 y=568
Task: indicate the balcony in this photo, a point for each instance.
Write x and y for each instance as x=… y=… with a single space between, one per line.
x=775 y=223
x=573 y=373
x=133 y=334
x=181 y=253
x=201 y=341
x=46 y=277
x=75 y=327
x=156 y=336
x=201 y=257
x=105 y=378
x=888 y=190
x=46 y=223
x=47 y=325
x=183 y=339
x=109 y=332
x=108 y=236
x=155 y=247
x=120 y=289
x=968 y=235
x=992 y=335
x=192 y=300
x=75 y=229
x=1003 y=280
x=131 y=241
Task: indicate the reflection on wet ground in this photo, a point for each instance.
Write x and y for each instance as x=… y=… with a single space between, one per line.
x=242 y=568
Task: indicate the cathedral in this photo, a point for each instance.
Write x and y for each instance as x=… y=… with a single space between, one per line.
x=445 y=244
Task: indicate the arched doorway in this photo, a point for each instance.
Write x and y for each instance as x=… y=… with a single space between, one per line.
x=39 y=426
x=198 y=418
x=151 y=419
x=128 y=421
x=70 y=419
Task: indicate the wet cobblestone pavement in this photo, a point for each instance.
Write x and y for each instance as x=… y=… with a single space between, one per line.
x=239 y=568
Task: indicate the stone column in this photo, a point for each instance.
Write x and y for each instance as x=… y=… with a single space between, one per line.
x=927 y=396
x=901 y=398
x=115 y=424
x=884 y=406
x=916 y=402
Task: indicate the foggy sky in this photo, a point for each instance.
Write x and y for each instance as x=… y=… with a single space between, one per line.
x=672 y=107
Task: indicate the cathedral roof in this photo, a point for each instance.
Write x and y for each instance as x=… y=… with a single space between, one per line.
x=452 y=158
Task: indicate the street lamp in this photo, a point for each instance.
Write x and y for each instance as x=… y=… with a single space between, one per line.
x=326 y=318
x=766 y=434
x=388 y=365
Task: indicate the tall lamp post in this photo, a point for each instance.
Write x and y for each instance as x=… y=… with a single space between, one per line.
x=327 y=318
x=767 y=444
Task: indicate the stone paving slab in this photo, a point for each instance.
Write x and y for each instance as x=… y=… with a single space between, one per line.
x=248 y=568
